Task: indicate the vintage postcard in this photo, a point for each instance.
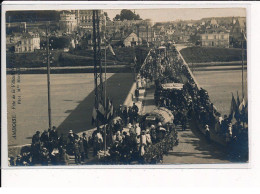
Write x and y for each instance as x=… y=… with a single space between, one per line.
x=126 y=86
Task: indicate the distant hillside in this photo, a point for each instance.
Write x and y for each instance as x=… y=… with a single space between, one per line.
x=32 y=16
x=211 y=54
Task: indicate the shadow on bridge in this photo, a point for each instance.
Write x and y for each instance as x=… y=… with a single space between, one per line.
x=202 y=149
x=79 y=119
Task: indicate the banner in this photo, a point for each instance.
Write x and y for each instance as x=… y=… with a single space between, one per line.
x=94 y=116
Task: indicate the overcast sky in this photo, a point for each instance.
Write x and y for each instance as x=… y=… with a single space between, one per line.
x=161 y=15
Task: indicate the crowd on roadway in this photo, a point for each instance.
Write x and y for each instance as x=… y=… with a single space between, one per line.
x=50 y=148
x=193 y=102
x=126 y=137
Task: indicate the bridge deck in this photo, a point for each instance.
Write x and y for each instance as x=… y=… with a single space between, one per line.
x=193 y=147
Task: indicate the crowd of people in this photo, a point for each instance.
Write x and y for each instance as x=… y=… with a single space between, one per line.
x=192 y=102
x=50 y=148
x=127 y=137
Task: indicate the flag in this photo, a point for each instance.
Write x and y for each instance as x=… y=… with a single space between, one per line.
x=245 y=113
x=242 y=105
x=110 y=110
x=238 y=101
x=94 y=115
x=101 y=113
x=111 y=49
x=237 y=112
x=233 y=106
x=101 y=109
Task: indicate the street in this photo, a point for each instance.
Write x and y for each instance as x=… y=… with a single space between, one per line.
x=192 y=147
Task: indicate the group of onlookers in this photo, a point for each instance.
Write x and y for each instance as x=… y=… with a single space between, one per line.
x=50 y=148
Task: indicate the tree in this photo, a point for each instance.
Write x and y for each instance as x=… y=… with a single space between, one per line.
x=107 y=18
x=117 y=18
x=195 y=39
x=127 y=14
x=59 y=42
x=138 y=17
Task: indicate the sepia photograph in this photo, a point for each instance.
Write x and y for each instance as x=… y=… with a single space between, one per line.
x=158 y=87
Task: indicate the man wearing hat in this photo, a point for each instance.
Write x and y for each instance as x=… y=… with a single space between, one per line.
x=125 y=115
x=207 y=133
x=36 y=144
x=53 y=134
x=72 y=137
x=153 y=133
x=18 y=161
x=45 y=138
x=135 y=111
x=44 y=156
x=36 y=138
x=77 y=151
x=229 y=133
x=85 y=144
x=81 y=149
x=160 y=132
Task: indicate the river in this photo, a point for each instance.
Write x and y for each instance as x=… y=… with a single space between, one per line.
x=220 y=84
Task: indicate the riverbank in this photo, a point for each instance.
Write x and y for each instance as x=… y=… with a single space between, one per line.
x=197 y=54
x=219 y=63
x=71 y=69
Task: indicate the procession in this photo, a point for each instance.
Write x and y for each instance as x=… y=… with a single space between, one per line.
x=130 y=136
x=91 y=87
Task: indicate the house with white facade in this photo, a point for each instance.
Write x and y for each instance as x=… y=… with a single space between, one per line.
x=132 y=40
x=27 y=43
x=215 y=39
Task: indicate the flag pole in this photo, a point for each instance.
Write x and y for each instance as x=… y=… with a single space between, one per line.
x=242 y=66
x=243 y=73
x=105 y=131
x=48 y=74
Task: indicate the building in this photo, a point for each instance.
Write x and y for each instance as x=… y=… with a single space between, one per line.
x=132 y=40
x=146 y=34
x=27 y=43
x=215 y=39
x=68 y=22
x=84 y=18
x=214 y=23
x=239 y=26
x=117 y=26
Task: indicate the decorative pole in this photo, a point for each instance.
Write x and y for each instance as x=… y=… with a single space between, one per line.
x=48 y=74
x=105 y=139
x=242 y=65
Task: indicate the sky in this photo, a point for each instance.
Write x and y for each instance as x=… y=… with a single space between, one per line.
x=164 y=14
